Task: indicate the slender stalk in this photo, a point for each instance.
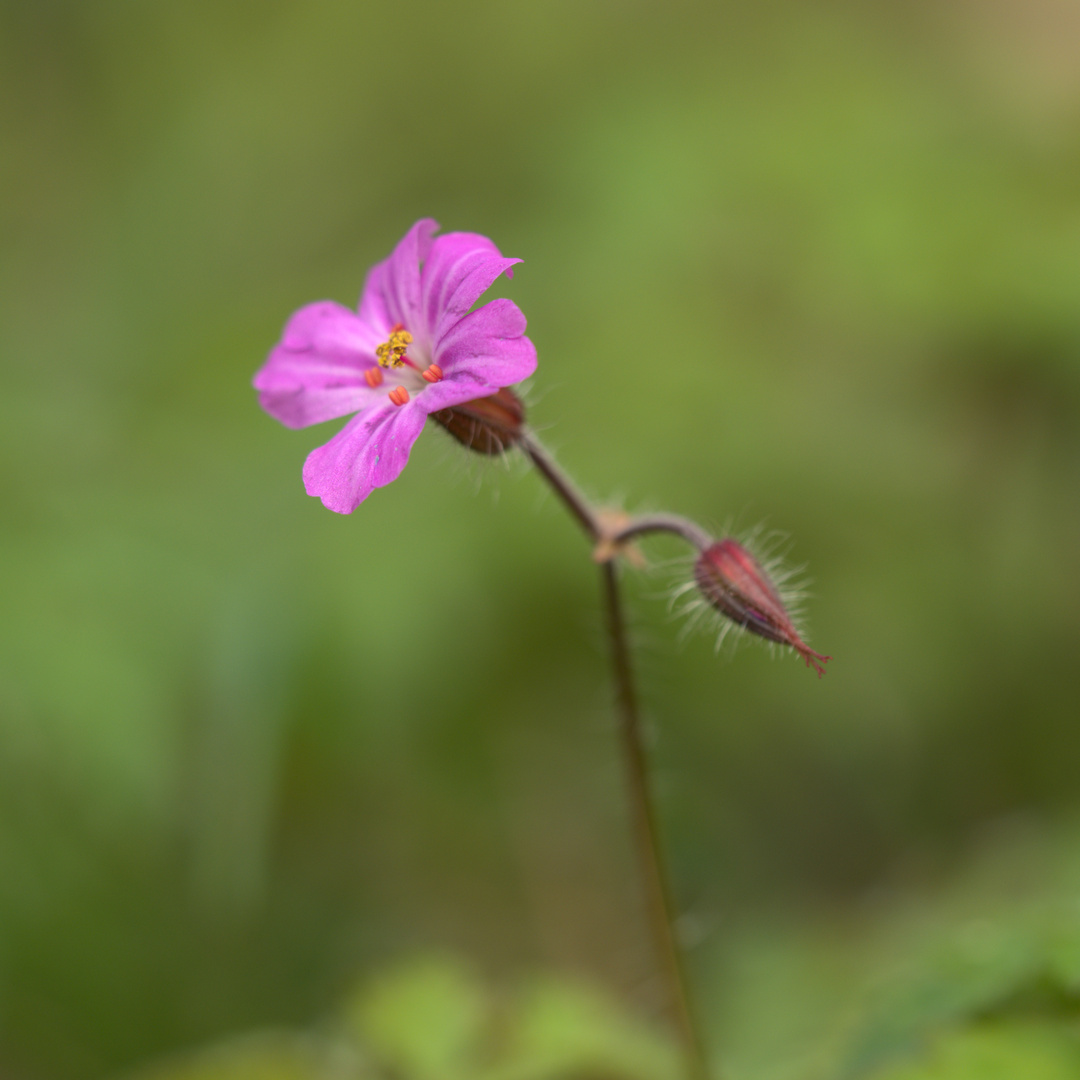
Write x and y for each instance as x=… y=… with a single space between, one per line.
x=562 y=485
x=689 y=530
x=646 y=834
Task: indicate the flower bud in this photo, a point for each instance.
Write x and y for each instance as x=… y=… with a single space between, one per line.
x=488 y=425
x=735 y=583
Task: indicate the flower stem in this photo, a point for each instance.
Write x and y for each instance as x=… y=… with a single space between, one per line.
x=655 y=885
x=690 y=531
x=562 y=485
x=646 y=833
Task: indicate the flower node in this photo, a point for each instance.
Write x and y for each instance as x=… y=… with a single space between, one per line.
x=734 y=583
x=391 y=353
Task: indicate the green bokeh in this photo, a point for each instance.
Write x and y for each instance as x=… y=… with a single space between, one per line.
x=816 y=265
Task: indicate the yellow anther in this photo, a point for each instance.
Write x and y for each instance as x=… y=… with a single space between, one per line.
x=390 y=353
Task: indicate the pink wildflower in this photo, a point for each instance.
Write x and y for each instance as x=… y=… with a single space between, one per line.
x=412 y=349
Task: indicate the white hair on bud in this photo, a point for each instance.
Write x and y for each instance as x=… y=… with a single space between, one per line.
x=770 y=547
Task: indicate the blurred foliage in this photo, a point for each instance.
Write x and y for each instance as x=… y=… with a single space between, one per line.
x=432 y=1020
x=979 y=978
x=810 y=263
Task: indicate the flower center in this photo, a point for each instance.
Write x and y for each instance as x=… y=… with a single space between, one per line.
x=392 y=353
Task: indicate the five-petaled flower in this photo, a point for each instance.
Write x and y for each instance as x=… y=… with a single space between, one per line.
x=413 y=348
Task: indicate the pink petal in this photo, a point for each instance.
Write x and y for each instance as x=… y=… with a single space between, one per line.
x=368 y=452
x=316 y=371
x=302 y=408
x=459 y=270
x=392 y=289
x=454 y=390
x=489 y=344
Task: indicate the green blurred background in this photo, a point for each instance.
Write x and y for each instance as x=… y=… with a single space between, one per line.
x=812 y=264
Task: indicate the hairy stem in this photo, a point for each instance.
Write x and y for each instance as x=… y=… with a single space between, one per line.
x=655 y=885
x=690 y=531
x=658 y=896
x=562 y=485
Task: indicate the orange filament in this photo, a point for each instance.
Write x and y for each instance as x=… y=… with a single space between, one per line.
x=433 y=373
x=373 y=377
x=399 y=395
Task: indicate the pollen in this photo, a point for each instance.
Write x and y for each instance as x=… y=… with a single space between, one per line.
x=391 y=353
x=373 y=377
x=399 y=395
x=433 y=373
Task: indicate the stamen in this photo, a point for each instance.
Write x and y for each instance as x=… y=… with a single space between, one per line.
x=390 y=353
x=373 y=377
x=399 y=395
x=433 y=373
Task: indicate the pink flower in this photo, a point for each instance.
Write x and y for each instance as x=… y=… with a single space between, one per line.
x=413 y=348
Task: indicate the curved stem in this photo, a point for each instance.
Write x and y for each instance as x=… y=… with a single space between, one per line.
x=690 y=531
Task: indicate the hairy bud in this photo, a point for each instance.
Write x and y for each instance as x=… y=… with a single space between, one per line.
x=734 y=583
x=488 y=425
